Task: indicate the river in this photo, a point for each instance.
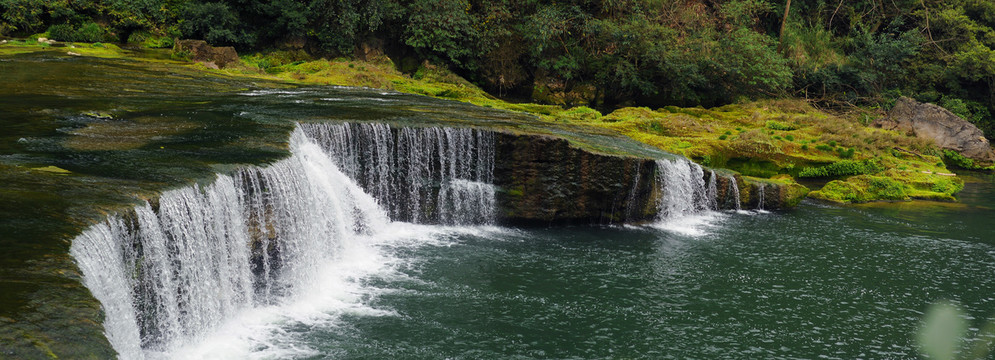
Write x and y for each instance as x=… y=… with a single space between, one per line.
x=298 y=251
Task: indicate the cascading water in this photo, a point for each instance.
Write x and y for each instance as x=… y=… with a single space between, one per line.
x=687 y=200
x=685 y=192
x=734 y=198
x=421 y=175
x=712 y=193
x=760 y=196
x=174 y=269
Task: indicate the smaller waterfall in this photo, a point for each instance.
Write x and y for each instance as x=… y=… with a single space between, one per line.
x=712 y=193
x=734 y=190
x=760 y=196
x=684 y=189
x=632 y=198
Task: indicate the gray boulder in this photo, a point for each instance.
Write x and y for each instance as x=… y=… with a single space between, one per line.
x=946 y=129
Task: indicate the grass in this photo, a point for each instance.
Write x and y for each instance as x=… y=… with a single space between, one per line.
x=760 y=139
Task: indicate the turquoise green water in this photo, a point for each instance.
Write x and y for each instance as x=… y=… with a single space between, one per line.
x=818 y=282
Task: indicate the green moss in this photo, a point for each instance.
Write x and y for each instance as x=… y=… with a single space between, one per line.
x=843 y=168
x=775 y=125
x=862 y=188
x=688 y=131
x=892 y=184
x=581 y=113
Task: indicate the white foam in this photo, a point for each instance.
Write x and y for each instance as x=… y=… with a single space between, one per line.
x=691 y=225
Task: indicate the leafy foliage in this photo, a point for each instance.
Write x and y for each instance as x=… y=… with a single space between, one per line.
x=611 y=53
x=842 y=168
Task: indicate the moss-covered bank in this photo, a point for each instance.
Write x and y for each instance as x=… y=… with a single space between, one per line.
x=762 y=139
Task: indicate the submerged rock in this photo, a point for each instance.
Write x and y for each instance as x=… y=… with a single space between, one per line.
x=946 y=129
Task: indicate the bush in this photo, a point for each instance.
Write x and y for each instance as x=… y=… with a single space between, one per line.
x=956 y=159
x=89 y=32
x=842 y=168
x=774 y=125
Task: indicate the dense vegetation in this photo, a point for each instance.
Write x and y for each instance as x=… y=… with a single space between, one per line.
x=603 y=53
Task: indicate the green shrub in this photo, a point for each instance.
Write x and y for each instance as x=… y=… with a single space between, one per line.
x=956 y=159
x=842 y=168
x=774 y=125
x=789 y=137
x=824 y=147
x=805 y=147
x=845 y=153
x=88 y=32
x=723 y=137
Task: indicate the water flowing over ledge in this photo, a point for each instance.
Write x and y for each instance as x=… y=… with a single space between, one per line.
x=420 y=175
x=176 y=268
x=179 y=266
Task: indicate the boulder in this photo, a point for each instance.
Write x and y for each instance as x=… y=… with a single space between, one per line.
x=946 y=129
x=211 y=56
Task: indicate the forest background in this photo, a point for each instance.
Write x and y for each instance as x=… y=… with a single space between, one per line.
x=609 y=53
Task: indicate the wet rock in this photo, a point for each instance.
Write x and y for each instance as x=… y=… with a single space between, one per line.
x=946 y=129
x=544 y=180
x=771 y=194
x=211 y=56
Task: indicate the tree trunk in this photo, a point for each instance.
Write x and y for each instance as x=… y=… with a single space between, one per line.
x=784 y=22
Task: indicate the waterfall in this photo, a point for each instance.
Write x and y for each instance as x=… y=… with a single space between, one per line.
x=734 y=189
x=421 y=175
x=712 y=193
x=632 y=199
x=760 y=196
x=683 y=187
x=174 y=269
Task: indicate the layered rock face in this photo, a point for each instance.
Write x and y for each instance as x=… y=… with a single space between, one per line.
x=947 y=130
x=546 y=181
x=543 y=180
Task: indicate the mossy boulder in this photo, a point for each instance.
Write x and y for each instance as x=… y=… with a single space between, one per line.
x=778 y=193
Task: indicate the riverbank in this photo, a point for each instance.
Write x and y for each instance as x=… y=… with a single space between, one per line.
x=771 y=140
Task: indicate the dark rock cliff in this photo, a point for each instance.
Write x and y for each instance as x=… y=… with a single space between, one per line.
x=544 y=180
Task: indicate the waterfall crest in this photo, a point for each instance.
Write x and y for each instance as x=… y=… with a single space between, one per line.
x=420 y=175
x=174 y=269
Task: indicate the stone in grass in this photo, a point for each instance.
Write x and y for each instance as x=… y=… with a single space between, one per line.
x=946 y=129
